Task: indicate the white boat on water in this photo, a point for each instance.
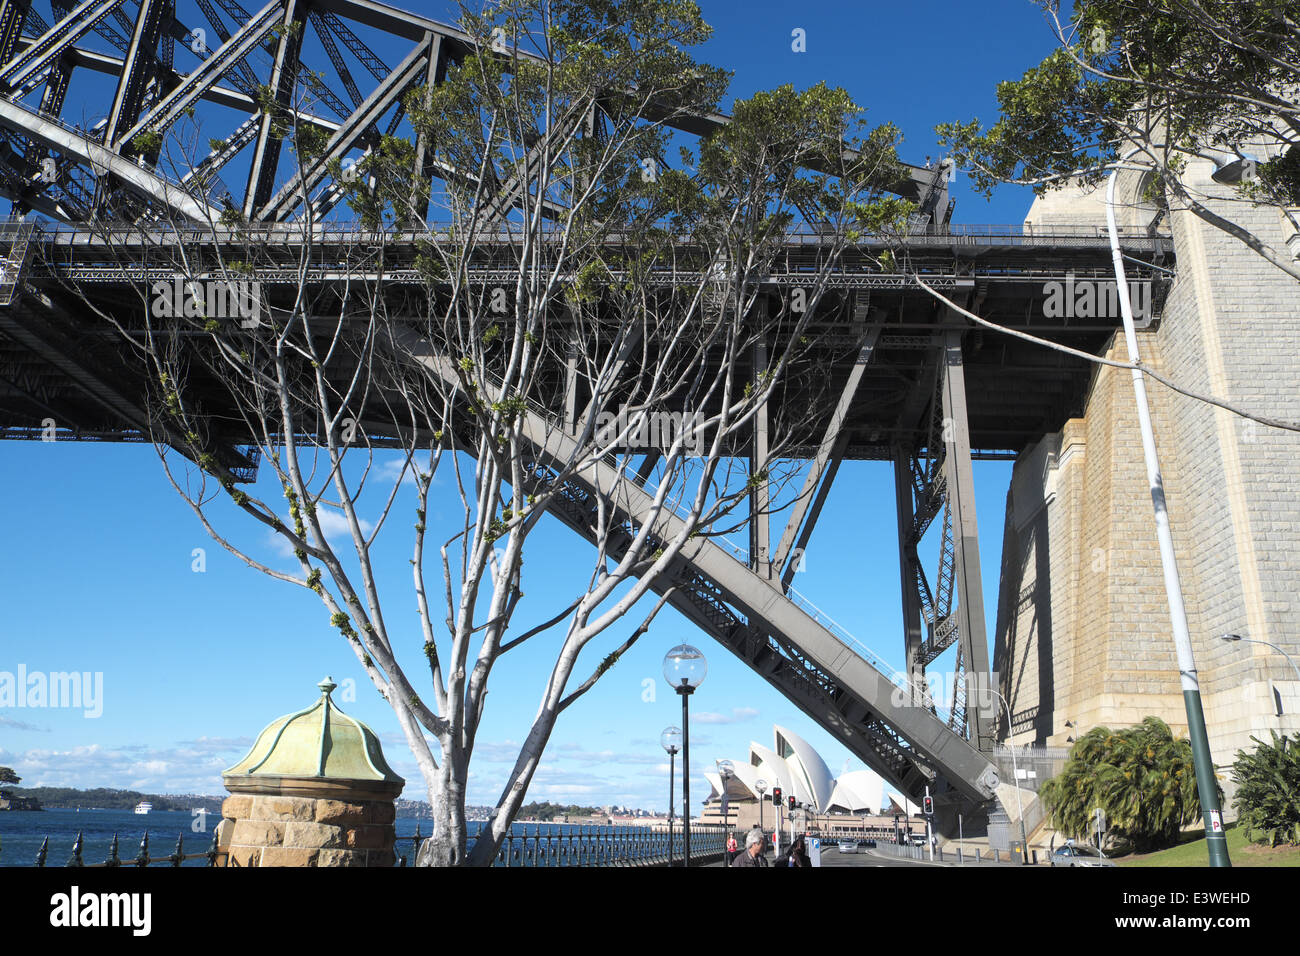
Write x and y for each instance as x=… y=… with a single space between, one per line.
x=144 y=806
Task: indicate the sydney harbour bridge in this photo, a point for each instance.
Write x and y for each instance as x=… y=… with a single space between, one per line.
x=926 y=390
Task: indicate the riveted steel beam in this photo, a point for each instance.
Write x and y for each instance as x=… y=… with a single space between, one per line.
x=819 y=468
x=47 y=48
x=75 y=144
x=350 y=131
x=284 y=74
x=961 y=503
x=136 y=67
x=217 y=64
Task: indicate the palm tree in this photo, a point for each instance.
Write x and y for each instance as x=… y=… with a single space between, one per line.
x=1141 y=777
x=1268 y=790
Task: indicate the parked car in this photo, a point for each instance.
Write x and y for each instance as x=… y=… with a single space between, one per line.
x=1079 y=854
x=848 y=846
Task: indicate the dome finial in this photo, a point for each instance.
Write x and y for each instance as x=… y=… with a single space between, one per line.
x=327 y=685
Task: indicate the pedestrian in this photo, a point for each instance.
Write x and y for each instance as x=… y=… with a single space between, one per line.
x=732 y=848
x=753 y=853
x=797 y=854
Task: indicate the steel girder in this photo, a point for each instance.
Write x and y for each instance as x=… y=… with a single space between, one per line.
x=136 y=69
x=291 y=194
x=284 y=76
x=48 y=47
x=806 y=661
x=150 y=97
x=217 y=64
x=13 y=17
x=53 y=135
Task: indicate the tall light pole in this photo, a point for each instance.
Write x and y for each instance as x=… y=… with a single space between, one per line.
x=1251 y=640
x=761 y=786
x=1024 y=837
x=1215 y=839
x=726 y=770
x=684 y=669
x=671 y=739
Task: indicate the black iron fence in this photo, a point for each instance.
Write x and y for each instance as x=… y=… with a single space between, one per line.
x=595 y=845
x=141 y=858
x=578 y=846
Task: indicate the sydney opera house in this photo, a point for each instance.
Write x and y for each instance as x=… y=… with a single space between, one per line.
x=793 y=765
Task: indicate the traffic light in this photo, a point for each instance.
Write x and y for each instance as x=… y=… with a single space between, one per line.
x=776 y=795
x=792 y=804
x=927 y=805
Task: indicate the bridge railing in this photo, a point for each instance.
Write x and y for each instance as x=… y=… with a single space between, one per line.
x=344 y=230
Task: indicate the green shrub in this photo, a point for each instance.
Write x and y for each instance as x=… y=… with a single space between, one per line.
x=1268 y=790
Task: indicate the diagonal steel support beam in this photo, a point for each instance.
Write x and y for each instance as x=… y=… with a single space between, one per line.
x=54 y=41
x=850 y=677
x=346 y=136
x=832 y=467
x=424 y=168
x=518 y=185
x=232 y=144
x=908 y=560
x=13 y=17
x=961 y=503
x=76 y=145
x=206 y=74
x=828 y=443
x=135 y=69
x=284 y=75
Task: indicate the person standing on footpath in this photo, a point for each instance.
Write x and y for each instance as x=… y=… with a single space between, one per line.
x=753 y=855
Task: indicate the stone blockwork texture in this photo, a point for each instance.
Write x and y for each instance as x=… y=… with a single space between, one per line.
x=1093 y=645
x=263 y=830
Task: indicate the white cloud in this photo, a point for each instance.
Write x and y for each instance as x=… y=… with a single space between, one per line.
x=20 y=725
x=333 y=524
x=736 y=716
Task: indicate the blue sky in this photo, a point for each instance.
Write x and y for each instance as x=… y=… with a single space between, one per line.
x=96 y=569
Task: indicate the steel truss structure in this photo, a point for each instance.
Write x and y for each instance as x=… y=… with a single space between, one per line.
x=920 y=389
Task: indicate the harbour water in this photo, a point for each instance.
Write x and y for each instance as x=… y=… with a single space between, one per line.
x=21 y=834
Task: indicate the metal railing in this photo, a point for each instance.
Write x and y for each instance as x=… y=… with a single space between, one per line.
x=592 y=845
x=798 y=234
x=142 y=857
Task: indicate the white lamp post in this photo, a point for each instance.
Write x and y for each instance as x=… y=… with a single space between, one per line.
x=684 y=669
x=671 y=740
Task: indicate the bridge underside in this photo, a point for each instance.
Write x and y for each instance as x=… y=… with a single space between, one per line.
x=899 y=378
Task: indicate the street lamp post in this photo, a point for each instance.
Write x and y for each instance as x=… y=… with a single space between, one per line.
x=671 y=739
x=1024 y=837
x=1215 y=839
x=684 y=669
x=726 y=770
x=761 y=786
x=1251 y=640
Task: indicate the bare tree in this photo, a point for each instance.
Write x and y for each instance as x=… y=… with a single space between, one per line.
x=576 y=329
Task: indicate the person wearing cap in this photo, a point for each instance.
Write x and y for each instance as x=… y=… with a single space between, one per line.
x=753 y=855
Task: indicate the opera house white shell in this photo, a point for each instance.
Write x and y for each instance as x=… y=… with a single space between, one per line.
x=792 y=764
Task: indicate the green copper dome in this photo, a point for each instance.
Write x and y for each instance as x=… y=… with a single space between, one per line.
x=319 y=743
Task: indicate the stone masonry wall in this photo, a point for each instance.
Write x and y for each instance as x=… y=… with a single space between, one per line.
x=300 y=831
x=1094 y=645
